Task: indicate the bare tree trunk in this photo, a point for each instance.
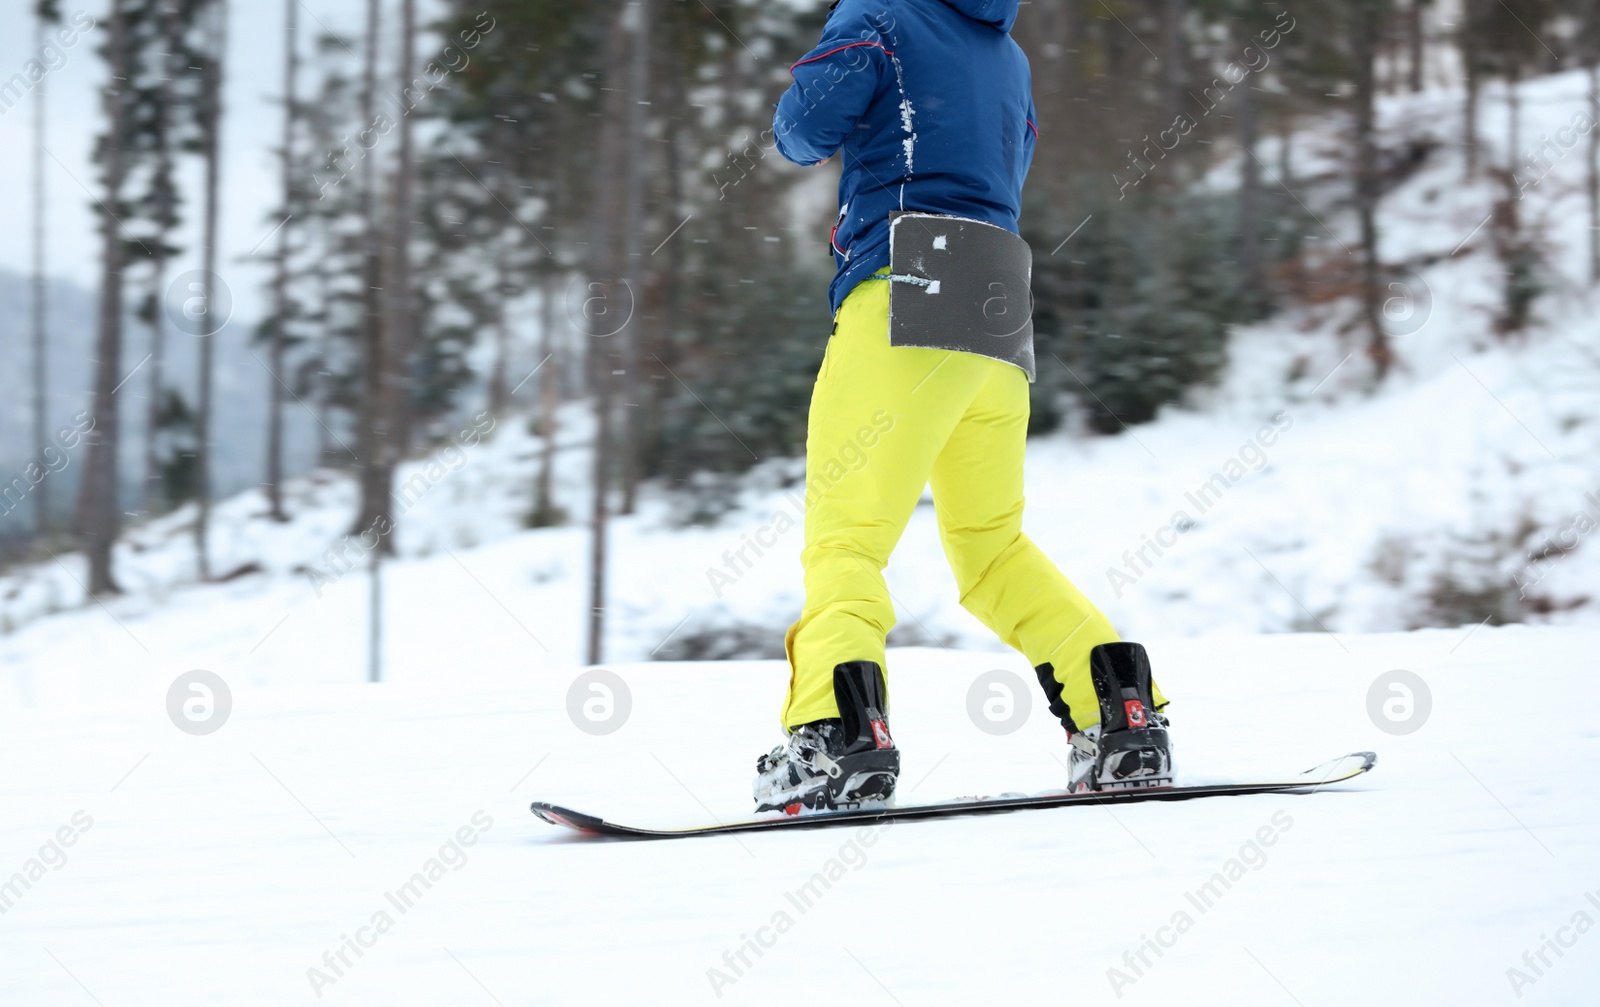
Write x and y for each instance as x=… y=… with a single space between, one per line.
x=602 y=358
x=1172 y=14
x=1417 y=42
x=1286 y=155
x=98 y=512
x=280 y=279
x=551 y=377
x=601 y=376
x=41 y=342
x=402 y=317
x=373 y=436
x=502 y=339
x=1293 y=277
x=217 y=41
x=639 y=91
x=1467 y=33
x=1513 y=127
x=1045 y=70
x=170 y=35
x=324 y=380
x=1250 y=200
x=543 y=508
x=1594 y=173
x=1368 y=29
x=375 y=616
x=1067 y=36
x=376 y=432
x=672 y=279
x=1388 y=61
x=1049 y=76
x=1470 y=133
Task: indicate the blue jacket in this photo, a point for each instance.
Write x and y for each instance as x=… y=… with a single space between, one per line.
x=930 y=103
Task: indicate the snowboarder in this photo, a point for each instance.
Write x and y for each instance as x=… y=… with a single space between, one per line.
x=929 y=104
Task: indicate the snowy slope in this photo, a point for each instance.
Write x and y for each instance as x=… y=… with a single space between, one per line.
x=220 y=869
x=1462 y=490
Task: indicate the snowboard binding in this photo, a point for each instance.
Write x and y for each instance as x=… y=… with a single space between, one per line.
x=841 y=763
x=1130 y=748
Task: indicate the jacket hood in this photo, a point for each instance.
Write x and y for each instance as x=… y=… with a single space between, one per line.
x=1002 y=14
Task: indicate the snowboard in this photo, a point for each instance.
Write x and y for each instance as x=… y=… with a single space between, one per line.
x=1334 y=771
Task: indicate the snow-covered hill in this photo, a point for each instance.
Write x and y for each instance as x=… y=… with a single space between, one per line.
x=1290 y=497
x=222 y=869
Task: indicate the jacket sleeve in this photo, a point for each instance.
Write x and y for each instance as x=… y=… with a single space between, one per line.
x=1031 y=141
x=833 y=85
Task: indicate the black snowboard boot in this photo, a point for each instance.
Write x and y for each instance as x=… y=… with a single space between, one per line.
x=1129 y=749
x=843 y=762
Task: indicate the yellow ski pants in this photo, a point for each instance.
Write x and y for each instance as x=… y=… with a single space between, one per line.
x=885 y=422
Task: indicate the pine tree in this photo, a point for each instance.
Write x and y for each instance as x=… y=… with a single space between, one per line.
x=327 y=292
x=163 y=107
x=46 y=13
x=98 y=517
x=165 y=197
x=281 y=306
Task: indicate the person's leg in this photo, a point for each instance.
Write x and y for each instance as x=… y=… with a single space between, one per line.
x=877 y=423
x=1004 y=579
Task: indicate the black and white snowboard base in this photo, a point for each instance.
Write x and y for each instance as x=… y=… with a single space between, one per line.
x=1334 y=771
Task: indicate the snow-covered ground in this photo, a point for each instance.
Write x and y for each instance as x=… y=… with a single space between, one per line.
x=222 y=869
